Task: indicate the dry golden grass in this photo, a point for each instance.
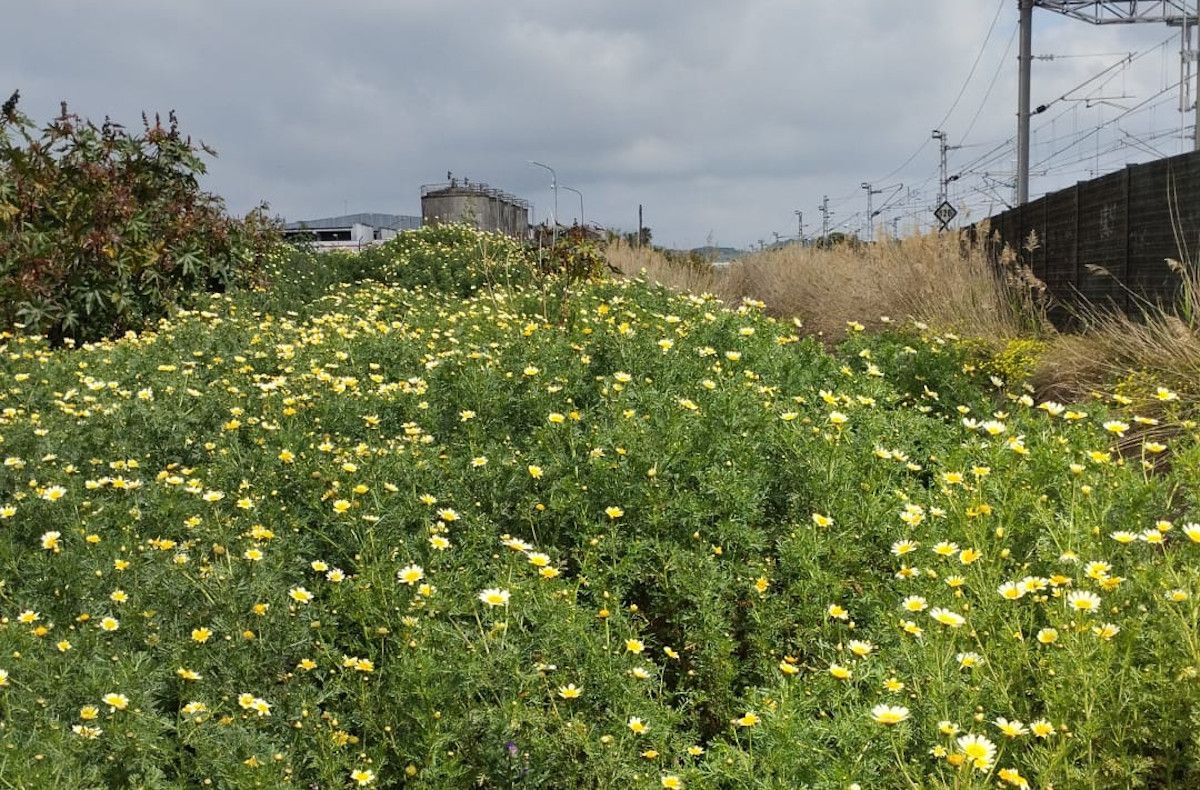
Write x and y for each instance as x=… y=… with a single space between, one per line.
x=653 y=265
x=934 y=278
x=931 y=278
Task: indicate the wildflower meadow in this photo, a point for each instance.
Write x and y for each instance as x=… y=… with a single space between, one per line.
x=453 y=522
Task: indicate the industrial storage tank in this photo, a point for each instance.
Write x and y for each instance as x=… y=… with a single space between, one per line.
x=476 y=204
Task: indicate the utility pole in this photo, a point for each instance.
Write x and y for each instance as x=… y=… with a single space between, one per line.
x=799 y=226
x=825 y=214
x=1024 y=64
x=1189 y=69
x=870 y=214
x=895 y=227
x=639 y=236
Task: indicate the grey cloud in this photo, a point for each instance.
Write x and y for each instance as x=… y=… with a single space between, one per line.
x=718 y=116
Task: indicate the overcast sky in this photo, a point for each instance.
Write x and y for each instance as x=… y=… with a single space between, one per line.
x=722 y=117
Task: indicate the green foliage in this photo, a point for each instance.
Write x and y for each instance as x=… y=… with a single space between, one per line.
x=837 y=239
x=103 y=231
x=701 y=521
x=643 y=239
x=1013 y=360
x=576 y=256
x=450 y=258
x=1018 y=359
x=455 y=259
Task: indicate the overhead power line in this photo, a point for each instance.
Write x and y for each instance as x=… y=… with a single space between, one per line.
x=1128 y=60
x=975 y=65
x=992 y=84
x=957 y=99
x=1000 y=149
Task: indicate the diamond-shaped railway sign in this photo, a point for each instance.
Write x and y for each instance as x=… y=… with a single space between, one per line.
x=945 y=213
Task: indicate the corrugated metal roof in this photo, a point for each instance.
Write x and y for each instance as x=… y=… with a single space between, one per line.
x=389 y=221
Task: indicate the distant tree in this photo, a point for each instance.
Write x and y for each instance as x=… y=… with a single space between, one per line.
x=632 y=238
x=838 y=238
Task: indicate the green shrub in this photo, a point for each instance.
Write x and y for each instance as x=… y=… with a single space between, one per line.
x=103 y=230
x=456 y=259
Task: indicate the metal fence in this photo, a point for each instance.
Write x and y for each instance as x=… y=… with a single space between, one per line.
x=1107 y=241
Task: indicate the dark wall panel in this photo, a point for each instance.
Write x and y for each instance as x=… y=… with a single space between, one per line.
x=1107 y=240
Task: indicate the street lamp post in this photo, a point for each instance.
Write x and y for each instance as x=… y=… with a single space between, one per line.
x=577 y=192
x=554 y=188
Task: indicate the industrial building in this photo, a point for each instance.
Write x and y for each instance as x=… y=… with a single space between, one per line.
x=350 y=232
x=475 y=204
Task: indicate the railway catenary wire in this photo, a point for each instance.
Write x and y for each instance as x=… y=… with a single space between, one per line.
x=957 y=99
x=1004 y=148
x=991 y=85
x=1000 y=150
